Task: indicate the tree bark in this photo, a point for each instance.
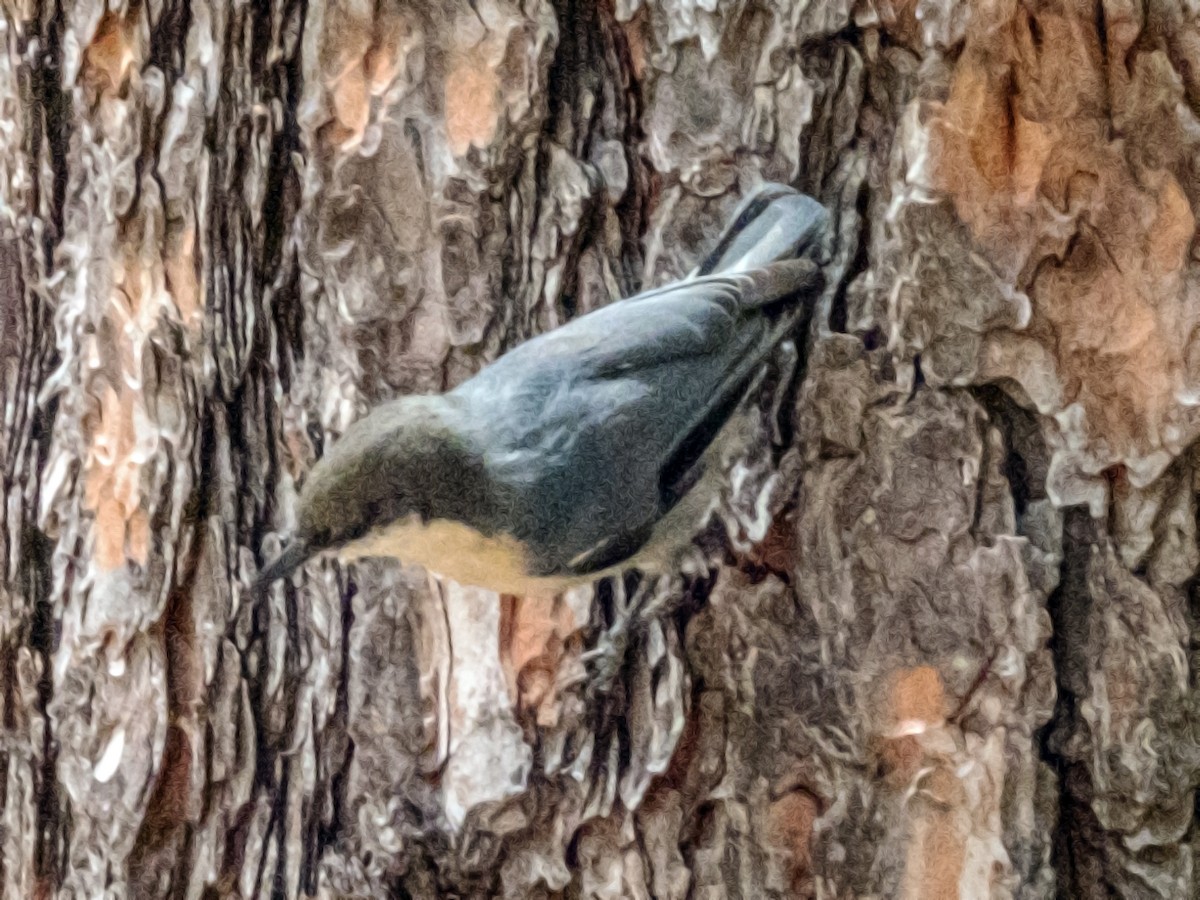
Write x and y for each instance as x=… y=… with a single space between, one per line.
x=945 y=643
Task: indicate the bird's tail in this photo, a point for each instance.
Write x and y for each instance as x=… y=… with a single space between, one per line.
x=772 y=223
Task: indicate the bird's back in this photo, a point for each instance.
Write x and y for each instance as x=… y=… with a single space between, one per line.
x=595 y=430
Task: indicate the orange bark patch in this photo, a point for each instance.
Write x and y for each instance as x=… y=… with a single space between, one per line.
x=118 y=428
x=1111 y=305
x=130 y=280
x=916 y=703
x=901 y=758
x=790 y=828
x=394 y=39
x=121 y=528
x=533 y=631
x=1032 y=144
x=918 y=695
x=938 y=852
x=348 y=93
x=1022 y=147
x=635 y=37
x=1023 y=113
x=111 y=55
x=471 y=103
x=179 y=267
x=363 y=57
x=1170 y=235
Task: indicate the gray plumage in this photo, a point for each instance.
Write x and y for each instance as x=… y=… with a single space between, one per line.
x=577 y=447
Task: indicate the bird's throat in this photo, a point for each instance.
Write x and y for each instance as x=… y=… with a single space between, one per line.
x=452 y=550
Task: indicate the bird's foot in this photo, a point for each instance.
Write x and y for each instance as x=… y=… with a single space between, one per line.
x=601 y=665
x=604 y=661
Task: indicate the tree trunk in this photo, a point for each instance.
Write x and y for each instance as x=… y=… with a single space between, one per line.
x=945 y=647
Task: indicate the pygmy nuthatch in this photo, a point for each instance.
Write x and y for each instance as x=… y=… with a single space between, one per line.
x=585 y=451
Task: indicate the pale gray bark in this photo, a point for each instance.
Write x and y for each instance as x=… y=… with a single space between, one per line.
x=945 y=648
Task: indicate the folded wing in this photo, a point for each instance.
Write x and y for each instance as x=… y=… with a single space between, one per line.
x=597 y=427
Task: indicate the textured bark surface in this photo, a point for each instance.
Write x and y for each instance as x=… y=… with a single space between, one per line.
x=945 y=645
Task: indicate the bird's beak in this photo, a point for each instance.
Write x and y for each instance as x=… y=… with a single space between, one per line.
x=292 y=558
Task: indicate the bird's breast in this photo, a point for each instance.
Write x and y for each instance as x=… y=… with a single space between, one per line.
x=454 y=550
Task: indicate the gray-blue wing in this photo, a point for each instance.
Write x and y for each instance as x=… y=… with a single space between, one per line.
x=593 y=426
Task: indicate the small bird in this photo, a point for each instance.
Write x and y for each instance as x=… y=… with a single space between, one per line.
x=583 y=452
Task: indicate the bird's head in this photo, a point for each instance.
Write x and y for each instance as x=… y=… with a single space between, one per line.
x=387 y=466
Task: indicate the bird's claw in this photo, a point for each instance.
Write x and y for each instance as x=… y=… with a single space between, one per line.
x=604 y=661
x=601 y=665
